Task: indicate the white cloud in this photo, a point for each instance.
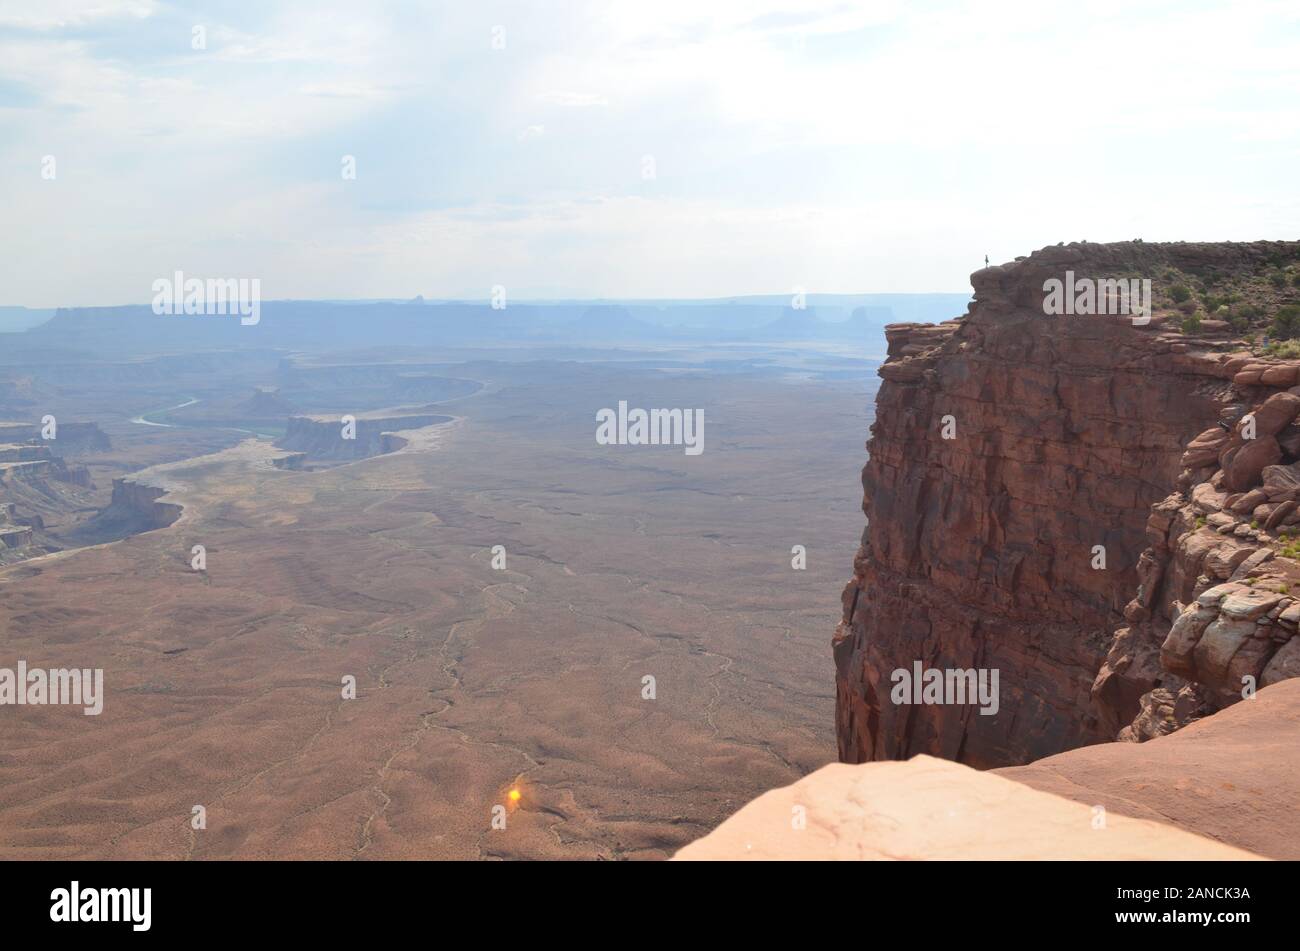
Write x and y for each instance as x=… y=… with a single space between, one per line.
x=577 y=99
x=854 y=146
x=57 y=14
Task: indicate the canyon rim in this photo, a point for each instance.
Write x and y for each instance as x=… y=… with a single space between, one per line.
x=1080 y=502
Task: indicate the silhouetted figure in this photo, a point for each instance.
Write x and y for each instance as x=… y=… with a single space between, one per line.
x=986 y=260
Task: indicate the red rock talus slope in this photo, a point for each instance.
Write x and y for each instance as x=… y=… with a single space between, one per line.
x=1213 y=617
x=981 y=549
x=1232 y=778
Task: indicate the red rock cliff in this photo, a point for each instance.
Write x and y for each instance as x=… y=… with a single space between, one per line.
x=1007 y=446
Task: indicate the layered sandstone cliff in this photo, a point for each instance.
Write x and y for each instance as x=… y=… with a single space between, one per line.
x=36 y=486
x=1014 y=465
x=134 y=508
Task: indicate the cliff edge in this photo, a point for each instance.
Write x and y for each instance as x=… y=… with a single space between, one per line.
x=1047 y=493
x=1179 y=797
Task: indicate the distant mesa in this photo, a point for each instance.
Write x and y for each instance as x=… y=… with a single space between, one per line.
x=863 y=324
x=266 y=404
x=372 y=385
x=69 y=438
x=333 y=326
x=320 y=439
x=609 y=323
x=16 y=319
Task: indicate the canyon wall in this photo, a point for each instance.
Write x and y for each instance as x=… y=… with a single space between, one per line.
x=35 y=486
x=1013 y=468
x=318 y=438
x=70 y=437
x=134 y=508
x=139 y=503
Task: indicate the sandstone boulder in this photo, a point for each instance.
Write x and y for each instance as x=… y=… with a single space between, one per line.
x=1257 y=558
x=1281 y=482
x=1184 y=635
x=1221 y=522
x=1284 y=665
x=1248 y=500
x=1281 y=375
x=1207 y=499
x=1278 y=411
x=1289 y=440
x=1205 y=448
x=1222 y=560
x=1283 y=510
x=1248 y=462
x=1247 y=604
x=1250 y=659
x=1165 y=710
x=1212 y=654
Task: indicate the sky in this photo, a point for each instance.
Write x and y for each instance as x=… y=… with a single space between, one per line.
x=627 y=148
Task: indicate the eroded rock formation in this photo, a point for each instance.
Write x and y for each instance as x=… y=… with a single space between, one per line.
x=35 y=485
x=16 y=531
x=1014 y=465
x=133 y=508
x=320 y=438
x=1212 y=619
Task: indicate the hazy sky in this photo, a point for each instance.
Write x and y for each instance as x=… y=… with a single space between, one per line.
x=832 y=145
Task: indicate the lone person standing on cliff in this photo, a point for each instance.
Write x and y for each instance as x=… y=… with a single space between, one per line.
x=986 y=260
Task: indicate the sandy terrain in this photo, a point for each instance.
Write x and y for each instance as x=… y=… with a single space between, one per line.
x=224 y=687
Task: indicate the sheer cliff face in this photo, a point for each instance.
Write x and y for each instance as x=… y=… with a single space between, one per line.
x=1013 y=465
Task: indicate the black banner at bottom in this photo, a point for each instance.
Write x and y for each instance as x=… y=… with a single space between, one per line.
x=144 y=900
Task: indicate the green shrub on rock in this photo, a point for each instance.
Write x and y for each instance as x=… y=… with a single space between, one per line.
x=1286 y=322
